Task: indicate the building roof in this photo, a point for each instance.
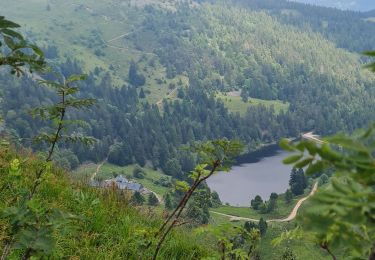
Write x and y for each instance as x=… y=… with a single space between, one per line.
x=120 y=182
x=134 y=186
x=121 y=179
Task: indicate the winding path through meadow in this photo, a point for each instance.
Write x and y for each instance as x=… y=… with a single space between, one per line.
x=291 y=216
x=98 y=169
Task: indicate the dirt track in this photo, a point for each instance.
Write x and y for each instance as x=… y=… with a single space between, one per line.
x=291 y=216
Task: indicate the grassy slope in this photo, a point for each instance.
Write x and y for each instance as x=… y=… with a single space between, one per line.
x=150 y=176
x=108 y=170
x=108 y=227
x=70 y=28
x=236 y=104
x=84 y=172
x=74 y=25
x=304 y=249
x=270 y=251
x=301 y=248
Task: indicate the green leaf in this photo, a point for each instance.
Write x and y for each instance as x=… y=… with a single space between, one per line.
x=304 y=162
x=74 y=78
x=12 y=33
x=80 y=103
x=51 y=84
x=300 y=146
x=9 y=42
x=285 y=144
x=311 y=147
x=86 y=140
x=314 y=168
x=292 y=159
x=347 y=142
x=35 y=205
x=37 y=50
x=369 y=53
x=182 y=186
x=327 y=153
x=7 y=24
x=368 y=132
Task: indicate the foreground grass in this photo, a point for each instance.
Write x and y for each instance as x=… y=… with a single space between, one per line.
x=107 y=225
x=84 y=172
x=301 y=248
x=270 y=251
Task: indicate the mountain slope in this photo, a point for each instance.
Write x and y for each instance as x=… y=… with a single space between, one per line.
x=358 y=5
x=95 y=224
x=187 y=52
x=95 y=31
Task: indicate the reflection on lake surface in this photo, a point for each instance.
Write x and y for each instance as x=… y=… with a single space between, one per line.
x=258 y=173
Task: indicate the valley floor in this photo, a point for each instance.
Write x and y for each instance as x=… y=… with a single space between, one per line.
x=291 y=216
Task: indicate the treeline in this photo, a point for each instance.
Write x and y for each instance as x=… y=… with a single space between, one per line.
x=136 y=132
x=298 y=182
x=130 y=131
x=252 y=51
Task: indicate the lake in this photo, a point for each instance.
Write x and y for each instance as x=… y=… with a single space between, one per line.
x=257 y=173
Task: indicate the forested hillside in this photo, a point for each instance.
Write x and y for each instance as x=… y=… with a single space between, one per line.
x=138 y=54
x=137 y=90
x=358 y=5
x=349 y=30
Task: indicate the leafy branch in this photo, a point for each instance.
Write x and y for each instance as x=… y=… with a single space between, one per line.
x=347 y=206
x=234 y=242
x=56 y=113
x=371 y=66
x=32 y=223
x=342 y=215
x=16 y=52
x=215 y=155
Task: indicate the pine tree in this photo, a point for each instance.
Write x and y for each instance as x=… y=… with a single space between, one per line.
x=262 y=226
x=168 y=202
x=152 y=199
x=215 y=199
x=180 y=93
x=297 y=181
x=288 y=254
x=274 y=196
x=155 y=156
x=127 y=154
x=138 y=172
x=263 y=208
x=288 y=196
x=139 y=153
x=256 y=202
x=323 y=179
x=135 y=78
x=173 y=168
x=142 y=93
x=133 y=73
x=271 y=205
x=245 y=95
x=249 y=225
x=137 y=198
